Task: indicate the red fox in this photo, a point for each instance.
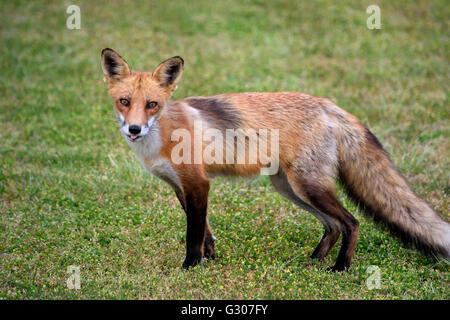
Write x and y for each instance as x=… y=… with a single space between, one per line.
x=318 y=143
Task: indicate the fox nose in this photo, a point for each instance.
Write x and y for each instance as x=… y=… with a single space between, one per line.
x=134 y=129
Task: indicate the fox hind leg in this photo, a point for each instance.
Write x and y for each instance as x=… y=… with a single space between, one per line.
x=320 y=194
x=326 y=244
x=331 y=234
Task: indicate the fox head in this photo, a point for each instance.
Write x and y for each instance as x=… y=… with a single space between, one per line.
x=139 y=97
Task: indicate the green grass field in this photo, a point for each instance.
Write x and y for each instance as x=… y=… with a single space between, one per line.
x=73 y=193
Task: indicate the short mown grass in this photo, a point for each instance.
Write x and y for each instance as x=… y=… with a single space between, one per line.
x=72 y=193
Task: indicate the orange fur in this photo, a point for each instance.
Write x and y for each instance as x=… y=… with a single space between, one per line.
x=318 y=142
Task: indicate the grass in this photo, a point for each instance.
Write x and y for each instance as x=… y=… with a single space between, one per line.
x=72 y=193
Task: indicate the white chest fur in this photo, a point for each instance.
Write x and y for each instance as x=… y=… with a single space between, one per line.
x=149 y=147
x=148 y=151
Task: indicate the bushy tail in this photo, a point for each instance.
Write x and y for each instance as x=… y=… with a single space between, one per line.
x=381 y=190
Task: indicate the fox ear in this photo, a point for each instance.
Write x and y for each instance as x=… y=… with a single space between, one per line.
x=169 y=72
x=114 y=66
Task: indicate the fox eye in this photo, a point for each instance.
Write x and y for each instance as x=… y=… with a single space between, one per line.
x=151 y=105
x=125 y=102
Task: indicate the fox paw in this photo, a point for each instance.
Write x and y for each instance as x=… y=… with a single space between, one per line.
x=191 y=262
x=208 y=248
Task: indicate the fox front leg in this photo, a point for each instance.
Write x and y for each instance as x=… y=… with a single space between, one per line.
x=196 y=202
